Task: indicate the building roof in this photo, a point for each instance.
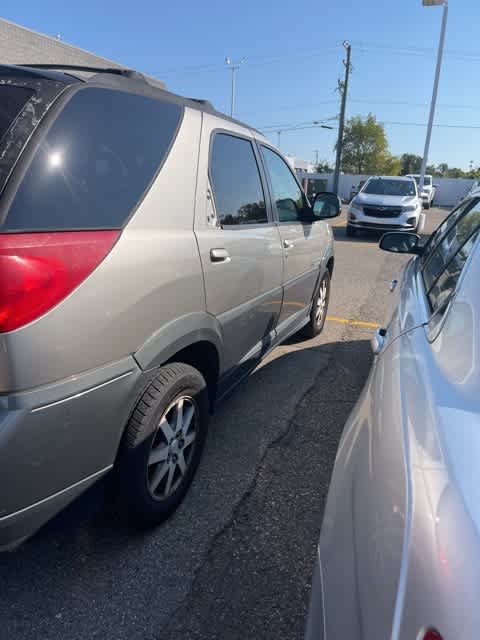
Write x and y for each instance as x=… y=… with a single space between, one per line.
x=19 y=45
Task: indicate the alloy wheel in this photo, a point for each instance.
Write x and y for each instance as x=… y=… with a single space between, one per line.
x=321 y=302
x=172 y=448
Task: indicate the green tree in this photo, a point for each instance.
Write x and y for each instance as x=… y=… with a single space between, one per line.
x=365 y=146
x=392 y=165
x=442 y=169
x=410 y=163
x=323 y=167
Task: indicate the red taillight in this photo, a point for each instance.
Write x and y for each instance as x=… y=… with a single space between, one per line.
x=431 y=634
x=37 y=270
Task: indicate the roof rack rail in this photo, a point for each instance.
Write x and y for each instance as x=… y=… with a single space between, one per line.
x=202 y=101
x=128 y=73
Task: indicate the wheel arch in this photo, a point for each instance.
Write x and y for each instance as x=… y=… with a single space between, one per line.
x=194 y=339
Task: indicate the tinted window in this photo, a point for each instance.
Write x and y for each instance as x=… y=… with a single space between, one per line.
x=390 y=187
x=95 y=162
x=12 y=100
x=287 y=194
x=444 y=228
x=441 y=272
x=236 y=182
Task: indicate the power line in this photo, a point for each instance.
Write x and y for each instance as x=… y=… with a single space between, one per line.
x=284 y=125
x=424 y=124
x=309 y=125
x=371 y=101
x=254 y=61
x=363 y=47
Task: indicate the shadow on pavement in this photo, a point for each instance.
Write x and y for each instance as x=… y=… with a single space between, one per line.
x=86 y=560
x=371 y=237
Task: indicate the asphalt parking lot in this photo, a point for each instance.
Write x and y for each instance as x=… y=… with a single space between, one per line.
x=235 y=560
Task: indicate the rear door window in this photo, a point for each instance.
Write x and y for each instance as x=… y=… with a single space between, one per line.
x=95 y=162
x=237 y=187
x=12 y=101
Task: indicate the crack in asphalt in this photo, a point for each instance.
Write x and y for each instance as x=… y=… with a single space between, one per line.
x=291 y=426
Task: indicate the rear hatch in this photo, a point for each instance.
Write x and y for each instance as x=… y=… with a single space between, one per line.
x=77 y=160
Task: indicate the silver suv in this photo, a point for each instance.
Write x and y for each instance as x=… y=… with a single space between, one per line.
x=152 y=251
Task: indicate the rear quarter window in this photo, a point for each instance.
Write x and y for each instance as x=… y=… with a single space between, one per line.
x=94 y=163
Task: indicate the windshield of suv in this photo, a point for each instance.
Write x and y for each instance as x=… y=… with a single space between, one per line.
x=385 y=187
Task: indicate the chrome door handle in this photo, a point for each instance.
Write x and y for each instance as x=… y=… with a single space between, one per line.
x=219 y=255
x=287 y=244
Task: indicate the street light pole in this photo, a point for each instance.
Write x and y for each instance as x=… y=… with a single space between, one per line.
x=431 y=3
x=234 y=66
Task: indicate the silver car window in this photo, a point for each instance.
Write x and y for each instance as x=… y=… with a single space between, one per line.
x=444 y=228
x=236 y=183
x=447 y=260
x=288 y=196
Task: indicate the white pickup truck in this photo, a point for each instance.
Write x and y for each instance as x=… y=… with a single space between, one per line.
x=429 y=189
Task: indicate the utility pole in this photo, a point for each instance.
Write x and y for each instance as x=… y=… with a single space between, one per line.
x=316 y=157
x=279 y=134
x=343 y=89
x=234 y=66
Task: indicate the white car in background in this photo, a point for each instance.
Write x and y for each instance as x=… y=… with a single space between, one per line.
x=428 y=191
x=386 y=204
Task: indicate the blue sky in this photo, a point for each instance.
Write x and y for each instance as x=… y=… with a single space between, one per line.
x=293 y=59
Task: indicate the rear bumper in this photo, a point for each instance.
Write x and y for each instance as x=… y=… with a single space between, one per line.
x=18 y=526
x=56 y=441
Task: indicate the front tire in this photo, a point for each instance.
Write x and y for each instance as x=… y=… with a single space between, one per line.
x=318 y=313
x=162 y=445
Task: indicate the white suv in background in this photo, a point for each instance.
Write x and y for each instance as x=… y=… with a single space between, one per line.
x=384 y=204
x=429 y=189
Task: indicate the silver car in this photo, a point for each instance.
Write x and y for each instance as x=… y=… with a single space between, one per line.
x=152 y=251
x=386 y=203
x=399 y=552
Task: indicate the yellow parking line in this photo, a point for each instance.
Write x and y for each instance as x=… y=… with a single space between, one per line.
x=353 y=323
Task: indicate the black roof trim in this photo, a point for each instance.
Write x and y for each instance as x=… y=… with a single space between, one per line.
x=119 y=78
x=127 y=73
x=23 y=71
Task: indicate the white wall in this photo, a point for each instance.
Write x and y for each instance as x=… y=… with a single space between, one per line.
x=449 y=192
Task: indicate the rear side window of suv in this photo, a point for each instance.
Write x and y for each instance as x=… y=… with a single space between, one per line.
x=94 y=163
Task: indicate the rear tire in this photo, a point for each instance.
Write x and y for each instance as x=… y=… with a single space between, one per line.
x=162 y=445
x=427 y=205
x=350 y=231
x=318 y=313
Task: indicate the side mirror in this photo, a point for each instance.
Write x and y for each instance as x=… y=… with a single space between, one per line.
x=400 y=242
x=326 y=205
